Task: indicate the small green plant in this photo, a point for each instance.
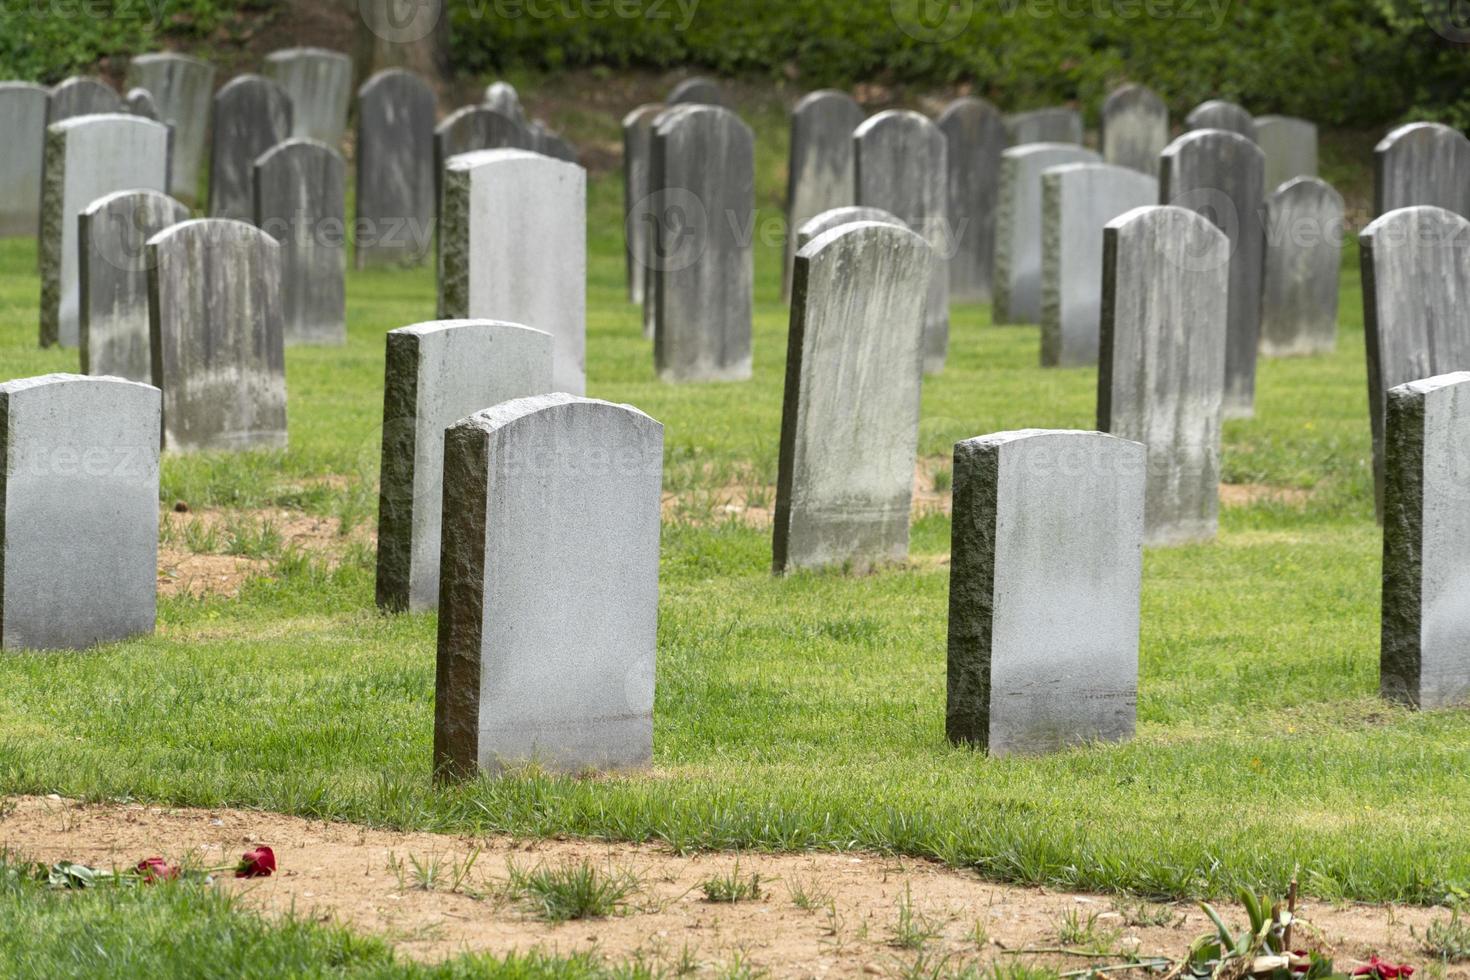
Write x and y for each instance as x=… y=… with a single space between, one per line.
x=426 y=873
x=979 y=934
x=808 y=895
x=201 y=538
x=1448 y=939
x=1085 y=931
x=570 y=891
x=1141 y=914
x=740 y=968
x=731 y=887
x=913 y=930
x=943 y=481
x=252 y=539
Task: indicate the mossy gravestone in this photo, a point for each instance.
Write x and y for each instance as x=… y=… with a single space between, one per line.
x=1422 y=164
x=301 y=202
x=821 y=168
x=1222 y=115
x=395 y=169
x=319 y=83
x=471 y=129
x=1305 y=226
x=82 y=96
x=637 y=221
x=836 y=218
x=182 y=90
x=1135 y=128
x=23 y=116
x=1018 y=227
x=251 y=115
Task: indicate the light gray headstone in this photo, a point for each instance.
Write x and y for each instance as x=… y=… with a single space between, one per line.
x=820 y=171
x=548 y=609
x=1422 y=164
x=183 y=92
x=88 y=157
x=476 y=128
x=23 y=120
x=902 y=166
x=504 y=99
x=217 y=334
x=395 y=169
x=1046 y=571
x=1290 y=146
x=319 y=83
x=1161 y=369
x=1077 y=202
x=1018 y=230
x=976 y=136
x=1220 y=114
x=1135 y=128
x=113 y=275
x=438 y=373
x=1221 y=175
x=251 y=115
x=1057 y=124
x=79 y=527
x=697 y=91
x=637 y=230
x=513 y=247
x=301 y=202
x=139 y=102
x=1305 y=227
x=850 y=423
x=81 y=96
x=836 y=218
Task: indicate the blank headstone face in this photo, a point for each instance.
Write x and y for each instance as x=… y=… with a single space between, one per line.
x=513 y=247
x=183 y=93
x=1047 y=566
x=1058 y=124
x=301 y=202
x=548 y=609
x=476 y=128
x=1161 y=368
x=850 y=424
x=1219 y=114
x=1422 y=164
x=23 y=118
x=836 y=218
x=86 y=158
x=1135 y=128
x=1077 y=202
x=217 y=336
x=395 y=169
x=319 y=84
x=697 y=91
x=1290 y=146
x=113 y=275
x=79 y=530
x=1425 y=660
x=1221 y=175
x=637 y=229
x=79 y=96
x=903 y=167
x=976 y=135
x=438 y=373
x=821 y=166
x=504 y=99
x=1018 y=229
x=1416 y=304
x=139 y=102
x=251 y=115
x=1305 y=226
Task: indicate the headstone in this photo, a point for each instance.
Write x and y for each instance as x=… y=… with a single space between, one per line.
x=23 y=118
x=1290 y=146
x=1057 y=124
x=551 y=144
x=438 y=373
x=251 y=115
x=88 y=157
x=1135 y=128
x=1219 y=114
x=217 y=335
x=1161 y=368
x=976 y=136
x=504 y=99
x=1077 y=202
x=395 y=169
x=139 y=102
x=1018 y=228
x=513 y=247
x=475 y=128
x=902 y=166
x=838 y=217
x=850 y=423
x=81 y=96
x=703 y=259
x=1045 y=579
x=79 y=529
x=1221 y=175
x=637 y=230
x=319 y=84
x=1425 y=661
x=301 y=202
x=548 y=609
x=183 y=91
x=820 y=172
x=1416 y=305
x=1305 y=226
x=1422 y=164
x=113 y=277
x=697 y=91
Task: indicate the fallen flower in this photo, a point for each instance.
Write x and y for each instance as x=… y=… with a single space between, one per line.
x=157 y=869
x=1383 y=970
x=259 y=863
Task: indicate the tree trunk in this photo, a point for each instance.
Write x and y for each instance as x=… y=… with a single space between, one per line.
x=411 y=34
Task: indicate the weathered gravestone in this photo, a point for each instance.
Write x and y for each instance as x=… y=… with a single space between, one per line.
x=1290 y=146
x=113 y=277
x=1077 y=202
x=79 y=525
x=1424 y=164
x=301 y=202
x=1425 y=655
x=850 y=422
x=80 y=96
x=217 y=335
x=1057 y=124
x=902 y=166
x=1135 y=128
x=513 y=247
x=251 y=115
x=1305 y=226
x=836 y=218
x=1161 y=368
x=1416 y=305
x=696 y=91
x=139 y=102
x=471 y=129
x=23 y=119
x=976 y=137
x=504 y=99
x=438 y=373
x=88 y=157
x=820 y=172
x=551 y=144
x=1220 y=114
x=319 y=84
x=1046 y=571
x=1221 y=175
x=637 y=229
x=182 y=89
x=395 y=169
x=548 y=606
x=1018 y=229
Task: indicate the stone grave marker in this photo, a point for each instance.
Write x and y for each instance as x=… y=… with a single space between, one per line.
x=504 y=99
x=395 y=169
x=697 y=91
x=1305 y=226
x=1220 y=114
x=319 y=84
x=301 y=202
x=1057 y=124
x=183 y=92
x=976 y=136
x=251 y=115
x=1422 y=164
x=1018 y=227
x=836 y=218
x=475 y=128
x=637 y=229
x=1290 y=146
x=23 y=117
x=82 y=96
x=821 y=167
x=1135 y=128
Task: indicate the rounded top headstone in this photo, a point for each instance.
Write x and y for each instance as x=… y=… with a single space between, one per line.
x=697 y=90
x=1220 y=114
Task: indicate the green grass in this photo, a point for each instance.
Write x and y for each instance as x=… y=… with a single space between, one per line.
x=575 y=890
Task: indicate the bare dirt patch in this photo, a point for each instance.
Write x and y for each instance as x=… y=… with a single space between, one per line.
x=1245 y=494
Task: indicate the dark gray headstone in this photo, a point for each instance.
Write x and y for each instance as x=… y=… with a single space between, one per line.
x=820 y=171
x=1018 y=230
x=1219 y=114
x=183 y=90
x=1305 y=227
x=23 y=119
x=80 y=96
x=976 y=136
x=637 y=229
x=139 y=102
x=251 y=115
x=696 y=91
x=301 y=202
x=504 y=99
x=838 y=217
x=1290 y=146
x=319 y=84
x=475 y=128
x=395 y=169
x=1422 y=164
x=552 y=144
x=1058 y=124
x=1135 y=128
